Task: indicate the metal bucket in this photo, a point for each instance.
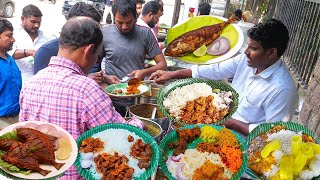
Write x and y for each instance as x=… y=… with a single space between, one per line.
x=150 y=97
x=144 y=111
x=152 y=128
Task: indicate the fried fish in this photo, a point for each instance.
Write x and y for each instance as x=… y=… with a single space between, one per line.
x=190 y=41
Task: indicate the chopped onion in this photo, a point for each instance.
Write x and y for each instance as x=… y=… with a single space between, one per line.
x=171 y=165
x=219 y=47
x=87 y=156
x=176 y=158
x=31 y=125
x=179 y=172
x=45 y=128
x=86 y=163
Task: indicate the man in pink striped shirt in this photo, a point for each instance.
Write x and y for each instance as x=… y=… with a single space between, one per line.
x=61 y=93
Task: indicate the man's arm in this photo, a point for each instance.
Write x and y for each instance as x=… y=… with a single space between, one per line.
x=21 y=53
x=238 y=126
x=161 y=76
x=160 y=65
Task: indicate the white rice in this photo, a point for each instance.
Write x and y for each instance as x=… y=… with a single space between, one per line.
x=285 y=137
x=116 y=140
x=178 y=98
x=195 y=159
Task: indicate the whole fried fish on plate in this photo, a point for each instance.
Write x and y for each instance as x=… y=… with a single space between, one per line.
x=190 y=41
x=40 y=145
x=19 y=155
x=34 y=149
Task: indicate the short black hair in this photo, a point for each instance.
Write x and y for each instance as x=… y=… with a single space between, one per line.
x=80 y=31
x=5 y=25
x=152 y=7
x=83 y=9
x=124 y=7
x=161 y=4
x=271 y=34
x=204 y=8
x=31 y=10
x=139 y=1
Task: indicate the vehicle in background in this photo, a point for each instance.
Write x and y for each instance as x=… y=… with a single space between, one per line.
x=67 y=4
x=7 y=8
x=52 y=1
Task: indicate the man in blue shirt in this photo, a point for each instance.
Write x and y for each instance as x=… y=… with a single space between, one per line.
x=10 y=77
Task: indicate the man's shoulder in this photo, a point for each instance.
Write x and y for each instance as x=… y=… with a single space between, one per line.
x=54 y=43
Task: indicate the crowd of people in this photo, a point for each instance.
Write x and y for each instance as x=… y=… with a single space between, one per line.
x=57 y=80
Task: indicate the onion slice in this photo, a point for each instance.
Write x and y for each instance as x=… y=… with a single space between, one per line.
x=219 y=47
x=45 y=128
x=176 y=158
x=179 y=171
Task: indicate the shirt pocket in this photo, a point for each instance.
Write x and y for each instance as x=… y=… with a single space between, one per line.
x=251 y=112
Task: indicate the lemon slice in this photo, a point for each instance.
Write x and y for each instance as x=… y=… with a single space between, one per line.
x=63 y=153
x=64 y=142
x=201 y=51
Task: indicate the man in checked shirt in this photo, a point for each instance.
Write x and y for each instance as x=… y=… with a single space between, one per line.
x=62 y=94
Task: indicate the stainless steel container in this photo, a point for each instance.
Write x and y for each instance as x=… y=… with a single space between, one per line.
x=144 y=111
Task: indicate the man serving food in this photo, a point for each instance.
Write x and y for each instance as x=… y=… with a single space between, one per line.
x=266 y=89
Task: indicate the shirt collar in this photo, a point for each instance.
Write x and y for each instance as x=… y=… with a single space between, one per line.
x=64 y=62
x=270 y=70
x=40 y=33
x=141 y=22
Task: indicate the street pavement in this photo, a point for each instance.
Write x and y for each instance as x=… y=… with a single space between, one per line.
x=52 y=19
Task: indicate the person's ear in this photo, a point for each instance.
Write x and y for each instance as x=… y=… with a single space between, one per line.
x=273 y=53
x=89 y=50
x=22 y=18
x=150 y=15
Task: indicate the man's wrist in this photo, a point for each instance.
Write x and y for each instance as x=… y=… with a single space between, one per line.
x=25 y=54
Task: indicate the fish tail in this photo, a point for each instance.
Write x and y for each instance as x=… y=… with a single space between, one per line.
x=235 y=17
x=58 y=165
x=43 y=172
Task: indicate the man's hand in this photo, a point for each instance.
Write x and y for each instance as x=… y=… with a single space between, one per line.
x=237 y=125
x=137 y=74
x=98 y=77
x=161 y=76
x=30 y=52
x=111 y=79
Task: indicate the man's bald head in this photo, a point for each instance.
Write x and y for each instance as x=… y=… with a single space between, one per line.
x=80 y=31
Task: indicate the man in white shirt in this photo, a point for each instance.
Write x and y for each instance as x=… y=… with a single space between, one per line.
x=266 y=89
x=28 y=39
x=150 y=16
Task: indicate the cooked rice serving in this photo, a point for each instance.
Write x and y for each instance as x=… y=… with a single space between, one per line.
x=195 y=159
x=178 y=98
x=116 y=140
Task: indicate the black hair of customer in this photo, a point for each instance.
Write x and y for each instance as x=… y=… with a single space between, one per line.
x=124 y=7
x=84 y=9
x=78 y=32
x=204 y=8
x=152 y=7
x=5 y=25
x=31 y=10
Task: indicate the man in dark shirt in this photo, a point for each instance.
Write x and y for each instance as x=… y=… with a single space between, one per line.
x=46 y=51
x=10 y=77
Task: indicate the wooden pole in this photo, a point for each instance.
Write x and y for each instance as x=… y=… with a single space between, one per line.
x=176 y=12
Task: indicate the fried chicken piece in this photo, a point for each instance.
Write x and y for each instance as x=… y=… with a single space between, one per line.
x=91 y=145
x=185 y=136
